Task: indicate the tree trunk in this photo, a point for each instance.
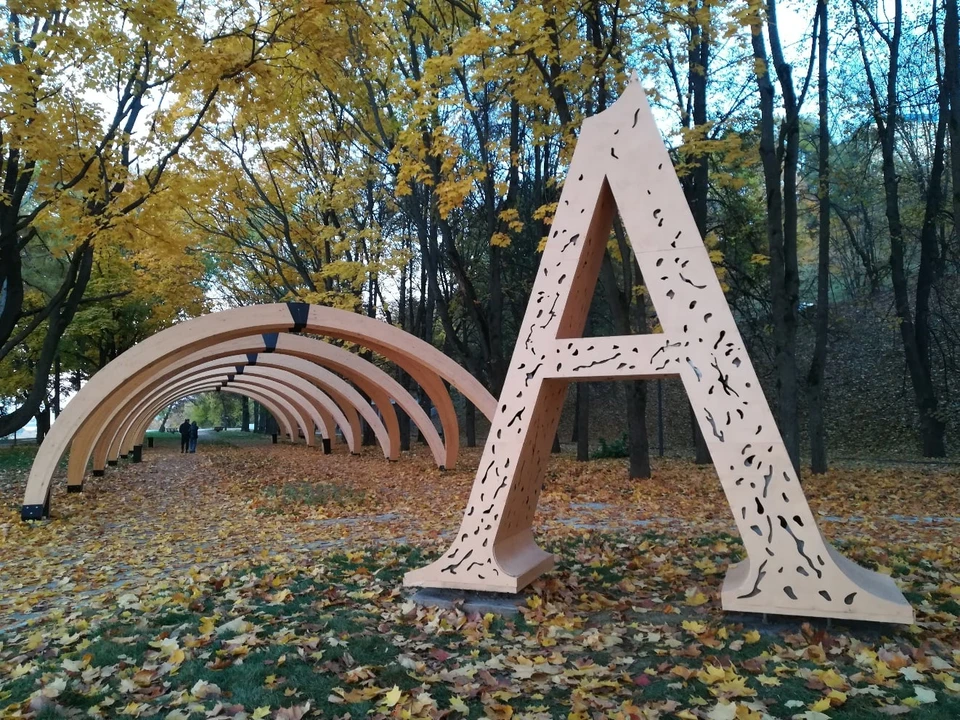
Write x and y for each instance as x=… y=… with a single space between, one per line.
x=404 y=421
x=781 y=204
x=43 y=423
x=56 y=387
x=639 y=446
x=696 y=182
x=817 y=425
x=701 y=453
x=951 y=83
x=259 y=418
x=470 y=423
x=914 y=329
x=425 y=404
x=244 y=414
x=575 y=433
x=62 y=308
x=620 y=303
x=583 y=421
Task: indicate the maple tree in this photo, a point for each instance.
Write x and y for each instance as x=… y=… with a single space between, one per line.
x=99 y=100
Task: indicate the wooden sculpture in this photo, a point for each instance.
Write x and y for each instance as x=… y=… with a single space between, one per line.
x=145 y=410
x=790 y=568
x=302 y=355
x=103 y=398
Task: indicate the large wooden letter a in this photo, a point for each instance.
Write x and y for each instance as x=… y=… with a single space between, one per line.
x=790 y=567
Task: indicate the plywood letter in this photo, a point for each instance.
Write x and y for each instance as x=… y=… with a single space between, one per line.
x=620 y=161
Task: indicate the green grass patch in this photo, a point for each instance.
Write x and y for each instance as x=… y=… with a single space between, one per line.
x=313 y=494
x=19 y=457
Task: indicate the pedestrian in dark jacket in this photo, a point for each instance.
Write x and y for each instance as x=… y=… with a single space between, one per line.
x=194 y=434
x=184 y=436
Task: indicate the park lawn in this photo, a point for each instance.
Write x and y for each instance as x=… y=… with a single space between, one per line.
x=256 y=581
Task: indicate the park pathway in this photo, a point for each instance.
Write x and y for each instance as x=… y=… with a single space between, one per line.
x=239 y=502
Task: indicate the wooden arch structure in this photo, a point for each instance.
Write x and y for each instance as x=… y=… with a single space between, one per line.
x=134 y=426
x=287 y=416
x=334 y=409
x=323 y=411
x=126 y=431
x=133 y=372
x=285 y=351
x=112 y=443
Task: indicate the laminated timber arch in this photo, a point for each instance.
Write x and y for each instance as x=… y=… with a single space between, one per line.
x=286 y=415
x=323 y=411
x=286 y=421
x=306 y=413
x=96 y=403
x=373 y=381
x=138 y=421
x=351 y=403
x=268 y=344
x=330 y=412
x=333 y=409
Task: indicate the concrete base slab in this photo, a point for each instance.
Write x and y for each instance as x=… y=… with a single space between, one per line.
x=470 y=600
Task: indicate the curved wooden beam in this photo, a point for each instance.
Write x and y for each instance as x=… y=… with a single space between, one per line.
x=330 y=410
x=379 y=386
x=93 y=406
x=148 y=412
x=320 y=408
x=306 y=414
x=280 y=367
x=383 y=390
x=283 y=413
x=285 y=422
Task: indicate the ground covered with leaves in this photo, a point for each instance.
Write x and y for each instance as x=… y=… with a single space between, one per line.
x=260 y=581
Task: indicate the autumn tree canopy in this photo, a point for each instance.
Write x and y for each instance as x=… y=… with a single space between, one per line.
x=403 y=160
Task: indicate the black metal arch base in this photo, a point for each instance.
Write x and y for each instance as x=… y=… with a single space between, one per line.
x=36 y=512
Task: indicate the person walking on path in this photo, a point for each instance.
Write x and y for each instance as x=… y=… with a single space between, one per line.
x=194 y=434
x=184 y=435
